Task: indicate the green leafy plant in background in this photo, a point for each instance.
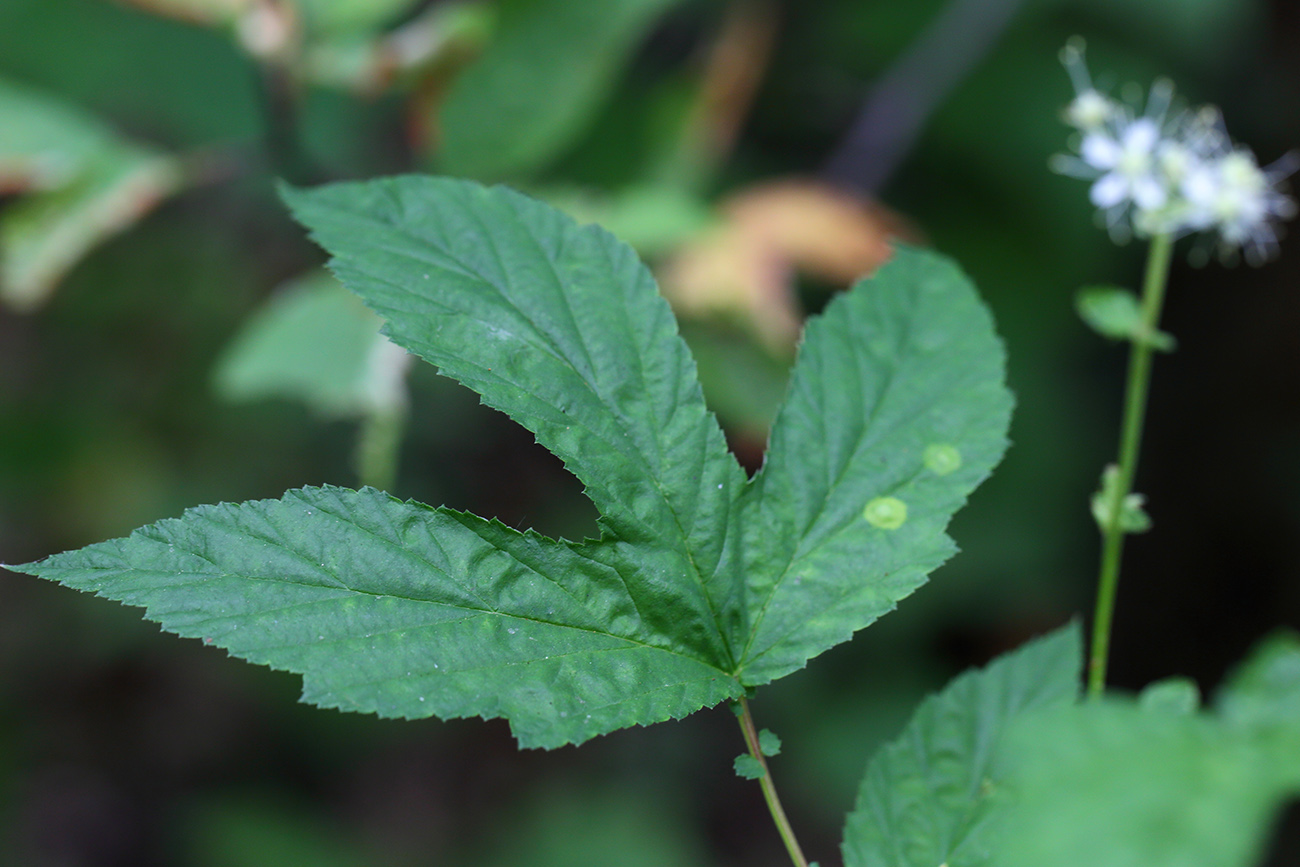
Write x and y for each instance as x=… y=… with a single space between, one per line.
x=316 y=342
x=80 y=182
x=701 y=584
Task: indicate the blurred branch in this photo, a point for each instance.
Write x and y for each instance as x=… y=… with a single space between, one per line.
x=202 y=12
x=908 y=94
x=271 y=32
x=733 y=71
x=438 y=41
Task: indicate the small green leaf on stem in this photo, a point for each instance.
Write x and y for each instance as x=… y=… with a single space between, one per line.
x=768 y=743
x=749 y=767
x=1132 y=517
x=1115 y=313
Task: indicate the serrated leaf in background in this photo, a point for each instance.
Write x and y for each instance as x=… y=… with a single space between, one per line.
x=1116 y=314
x=926 y=795
x=44 y=142
x=1175 y=695
x=538 y=83
x=1110 y=311
x=897 y=399
x=653 y=218
x=748 y=767
x=1114 y=782
x=1265 y=691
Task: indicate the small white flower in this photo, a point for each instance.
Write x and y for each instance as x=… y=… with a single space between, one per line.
x=1089 y=111
x=1176 y=161
x=1128 y=163
x=1232 y=196
x=1169 y=172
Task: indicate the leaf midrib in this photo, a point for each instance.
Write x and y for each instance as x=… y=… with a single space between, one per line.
x=552 y=347
x=868 y=439
x=343 y=587
x=795 y=554
x=109 y=574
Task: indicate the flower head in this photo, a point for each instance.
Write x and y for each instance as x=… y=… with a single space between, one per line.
x=1127 y=158
x=1230 y=195
x=1175 y=172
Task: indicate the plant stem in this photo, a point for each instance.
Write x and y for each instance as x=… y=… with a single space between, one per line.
x=378 y=443
x=769 y=790
x=1135 y=401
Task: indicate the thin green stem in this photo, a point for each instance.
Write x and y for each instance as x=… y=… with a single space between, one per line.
x=769 y=789
x=379 y=442
x=1135 y=402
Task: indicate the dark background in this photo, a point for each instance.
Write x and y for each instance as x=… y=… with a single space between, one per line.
x=123 y=746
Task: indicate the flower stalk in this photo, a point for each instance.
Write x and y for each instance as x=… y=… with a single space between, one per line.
x=1135 y=402
x=1158 y=171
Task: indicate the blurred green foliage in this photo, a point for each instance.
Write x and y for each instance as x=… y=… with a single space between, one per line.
x=1169 y=786
x=118 y=746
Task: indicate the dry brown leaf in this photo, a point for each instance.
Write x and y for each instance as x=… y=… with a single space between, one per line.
x=745 y=267
x=208 y=12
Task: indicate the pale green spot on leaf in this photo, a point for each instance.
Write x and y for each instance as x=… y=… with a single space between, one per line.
x=941 y=458
x=887 y=513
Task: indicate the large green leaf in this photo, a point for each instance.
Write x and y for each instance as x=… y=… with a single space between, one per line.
x=1113 y=782
x=896 y=412
x=545 y=73
x=926 y=796
x=405 y=611
x=561 y=327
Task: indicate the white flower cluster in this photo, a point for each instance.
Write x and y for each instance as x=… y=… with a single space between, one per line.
x=1167 y=171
